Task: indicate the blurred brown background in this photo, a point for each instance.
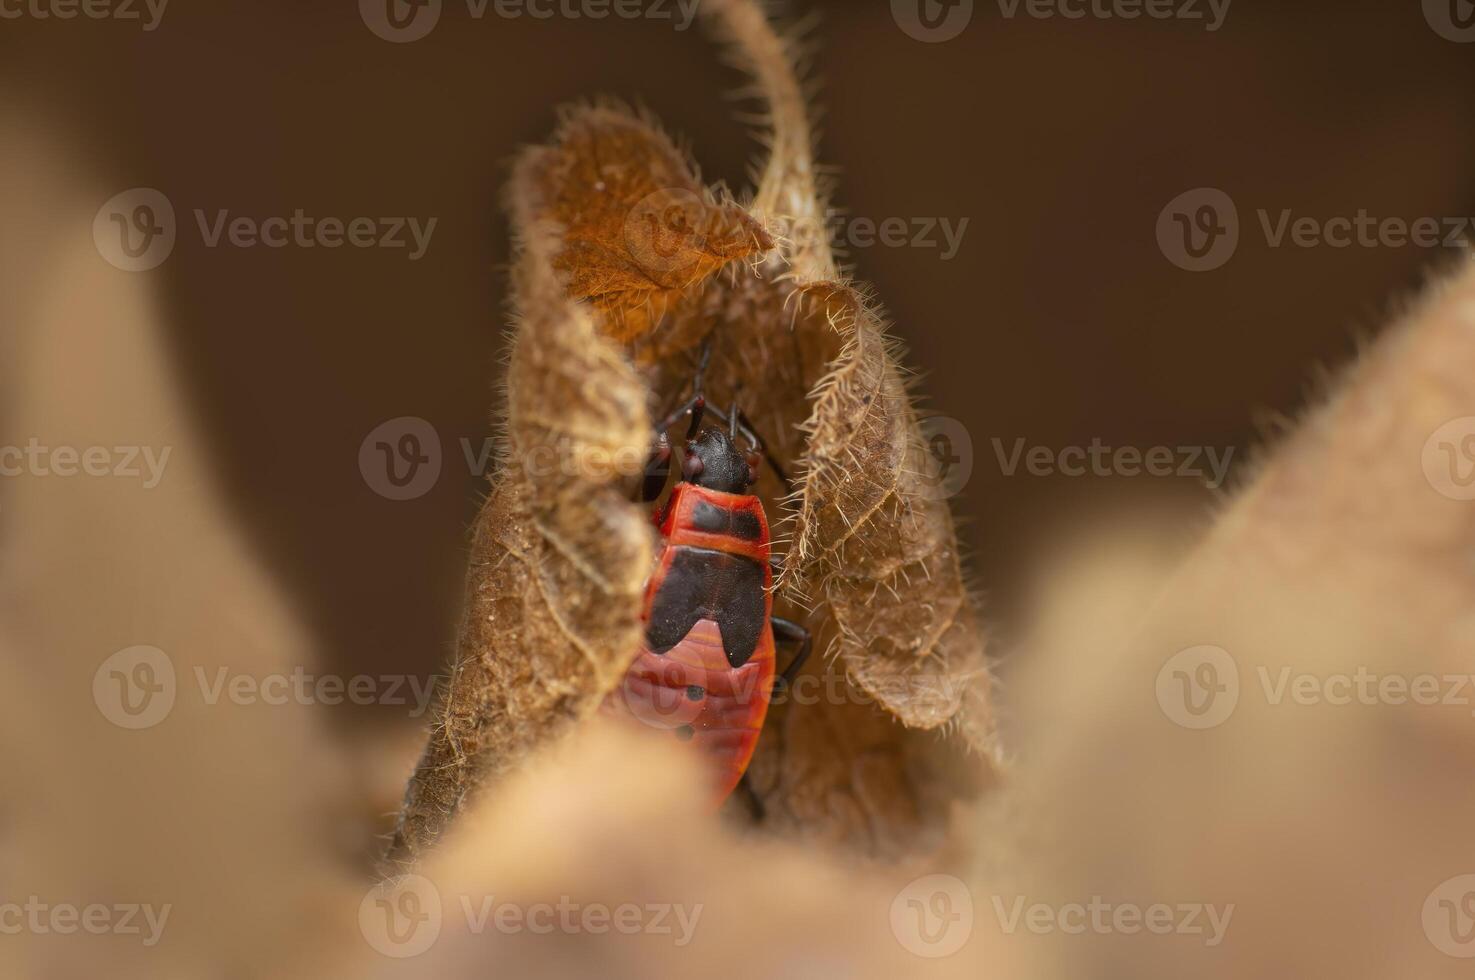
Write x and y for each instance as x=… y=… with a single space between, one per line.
x=1058 y=320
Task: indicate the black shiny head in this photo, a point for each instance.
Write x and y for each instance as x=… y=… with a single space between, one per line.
x=714 y=462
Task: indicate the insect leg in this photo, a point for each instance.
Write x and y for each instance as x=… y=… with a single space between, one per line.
x=660 y=456
x=697 y=403
x=656 y=469
x=762 y=447
x=792 y=632
x=745 y=787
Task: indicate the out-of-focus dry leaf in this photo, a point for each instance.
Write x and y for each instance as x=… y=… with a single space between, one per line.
x=1266 y=703
x=224 y=818
x=610 y=822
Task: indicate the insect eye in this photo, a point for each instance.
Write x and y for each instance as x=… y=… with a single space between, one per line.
x=693 y=466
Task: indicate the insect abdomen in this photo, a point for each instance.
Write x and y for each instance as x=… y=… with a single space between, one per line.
x=705 y=672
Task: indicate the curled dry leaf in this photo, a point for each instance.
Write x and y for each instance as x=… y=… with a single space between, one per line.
x=559 y=554
x=876 y=538
x=628 y=263
x=636 y=226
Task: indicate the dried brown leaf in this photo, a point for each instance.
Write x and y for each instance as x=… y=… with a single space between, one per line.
x=636 y=226
x=876 y=542
x=611 y=214
x=559 y=556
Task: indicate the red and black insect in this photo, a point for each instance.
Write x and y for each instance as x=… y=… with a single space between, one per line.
x=706 y=669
